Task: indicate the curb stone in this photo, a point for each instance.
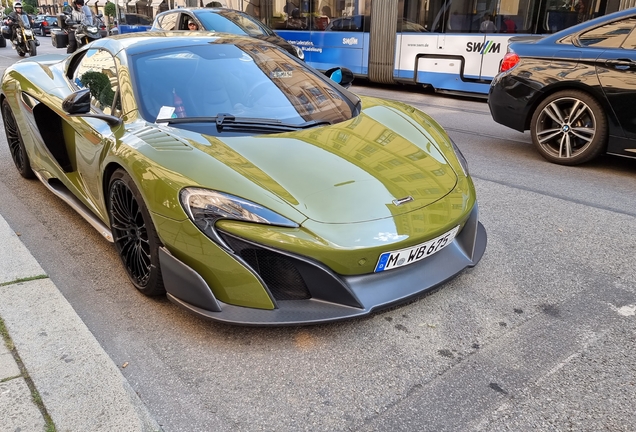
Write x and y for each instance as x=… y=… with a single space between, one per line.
x=80 y=386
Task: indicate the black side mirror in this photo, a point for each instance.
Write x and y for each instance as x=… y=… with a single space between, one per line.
x=79 y=104
x=341 y=75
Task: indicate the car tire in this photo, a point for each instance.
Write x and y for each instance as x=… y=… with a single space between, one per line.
x=564 y=140
x=134 y=234
x=16 y=144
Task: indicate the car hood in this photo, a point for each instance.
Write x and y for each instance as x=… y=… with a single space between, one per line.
x=378 y=165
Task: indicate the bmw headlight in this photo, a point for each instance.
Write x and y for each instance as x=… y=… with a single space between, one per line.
x=91 y=29
x=28 y=32
x=300 y=53
x=460 y=157
x=205 y=207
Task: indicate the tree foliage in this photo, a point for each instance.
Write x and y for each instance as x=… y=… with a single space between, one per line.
x=100 y=87
x=110 y=9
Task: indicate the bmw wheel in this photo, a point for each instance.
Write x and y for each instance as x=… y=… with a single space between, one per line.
x=16 y=144
x=569 y=128
x=134 y=234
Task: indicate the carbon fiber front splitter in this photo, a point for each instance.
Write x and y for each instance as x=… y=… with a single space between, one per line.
x=374 y=291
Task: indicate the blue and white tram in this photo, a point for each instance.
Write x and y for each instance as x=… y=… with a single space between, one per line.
x=450 y=45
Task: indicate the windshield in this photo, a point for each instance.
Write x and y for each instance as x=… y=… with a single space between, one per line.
x=254 y=80
x=25 y=20
x=228 y=21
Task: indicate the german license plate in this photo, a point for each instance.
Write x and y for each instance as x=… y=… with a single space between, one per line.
x=395 y=259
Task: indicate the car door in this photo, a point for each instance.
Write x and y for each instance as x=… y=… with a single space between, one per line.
x=620 y=83
x=96 y=71
x=616 y=68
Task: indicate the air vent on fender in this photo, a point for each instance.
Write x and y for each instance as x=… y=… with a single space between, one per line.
x=160 y=140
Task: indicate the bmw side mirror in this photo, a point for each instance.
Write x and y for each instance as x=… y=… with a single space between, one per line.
x=79 y=104
x=341 y=75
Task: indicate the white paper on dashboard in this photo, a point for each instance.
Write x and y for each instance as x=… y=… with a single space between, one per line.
x=165 y=113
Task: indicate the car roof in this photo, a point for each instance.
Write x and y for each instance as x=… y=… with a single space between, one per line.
x=139 y=42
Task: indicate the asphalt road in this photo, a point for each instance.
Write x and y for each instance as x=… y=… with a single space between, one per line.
x=541 y=335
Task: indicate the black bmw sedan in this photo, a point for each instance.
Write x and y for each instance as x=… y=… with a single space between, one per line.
x=221 y=20
x=574 y=90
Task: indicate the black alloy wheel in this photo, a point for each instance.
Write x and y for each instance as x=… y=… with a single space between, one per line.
x=16 y=144
x=134 y=234
x=569 y=128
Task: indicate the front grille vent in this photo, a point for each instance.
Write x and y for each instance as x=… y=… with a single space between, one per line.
x=278 y=271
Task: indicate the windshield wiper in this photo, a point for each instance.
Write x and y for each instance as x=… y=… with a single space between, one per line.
x=228 y=121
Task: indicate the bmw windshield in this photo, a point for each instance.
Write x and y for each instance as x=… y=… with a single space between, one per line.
x=229 y=21
x=25 y=20
x=247 y=80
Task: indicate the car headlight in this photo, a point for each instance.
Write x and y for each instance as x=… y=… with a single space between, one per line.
x=460 y=157
x=205 y=207
x=300 y=53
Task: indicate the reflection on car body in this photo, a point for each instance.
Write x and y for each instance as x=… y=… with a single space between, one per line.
x=222 y=20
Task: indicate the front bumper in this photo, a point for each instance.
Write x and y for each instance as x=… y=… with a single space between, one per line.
x=332 y=297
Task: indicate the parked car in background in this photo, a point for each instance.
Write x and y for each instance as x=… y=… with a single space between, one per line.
x=574 y=90
x=43 y=23
x=222 y=20
x=131 y=23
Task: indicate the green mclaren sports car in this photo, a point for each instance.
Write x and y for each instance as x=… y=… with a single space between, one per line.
x=243 y=184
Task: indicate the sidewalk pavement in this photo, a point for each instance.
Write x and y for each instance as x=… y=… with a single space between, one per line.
x=54 y=375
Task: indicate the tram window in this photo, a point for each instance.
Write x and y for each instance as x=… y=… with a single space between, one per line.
x=611 y=35
x=407 y=26
x=333 y=15
x=561 y=14
x=468 y=16
x=355 y=23
x=517 y=16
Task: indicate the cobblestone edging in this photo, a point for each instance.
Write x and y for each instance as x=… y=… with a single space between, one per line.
x=13 y=378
